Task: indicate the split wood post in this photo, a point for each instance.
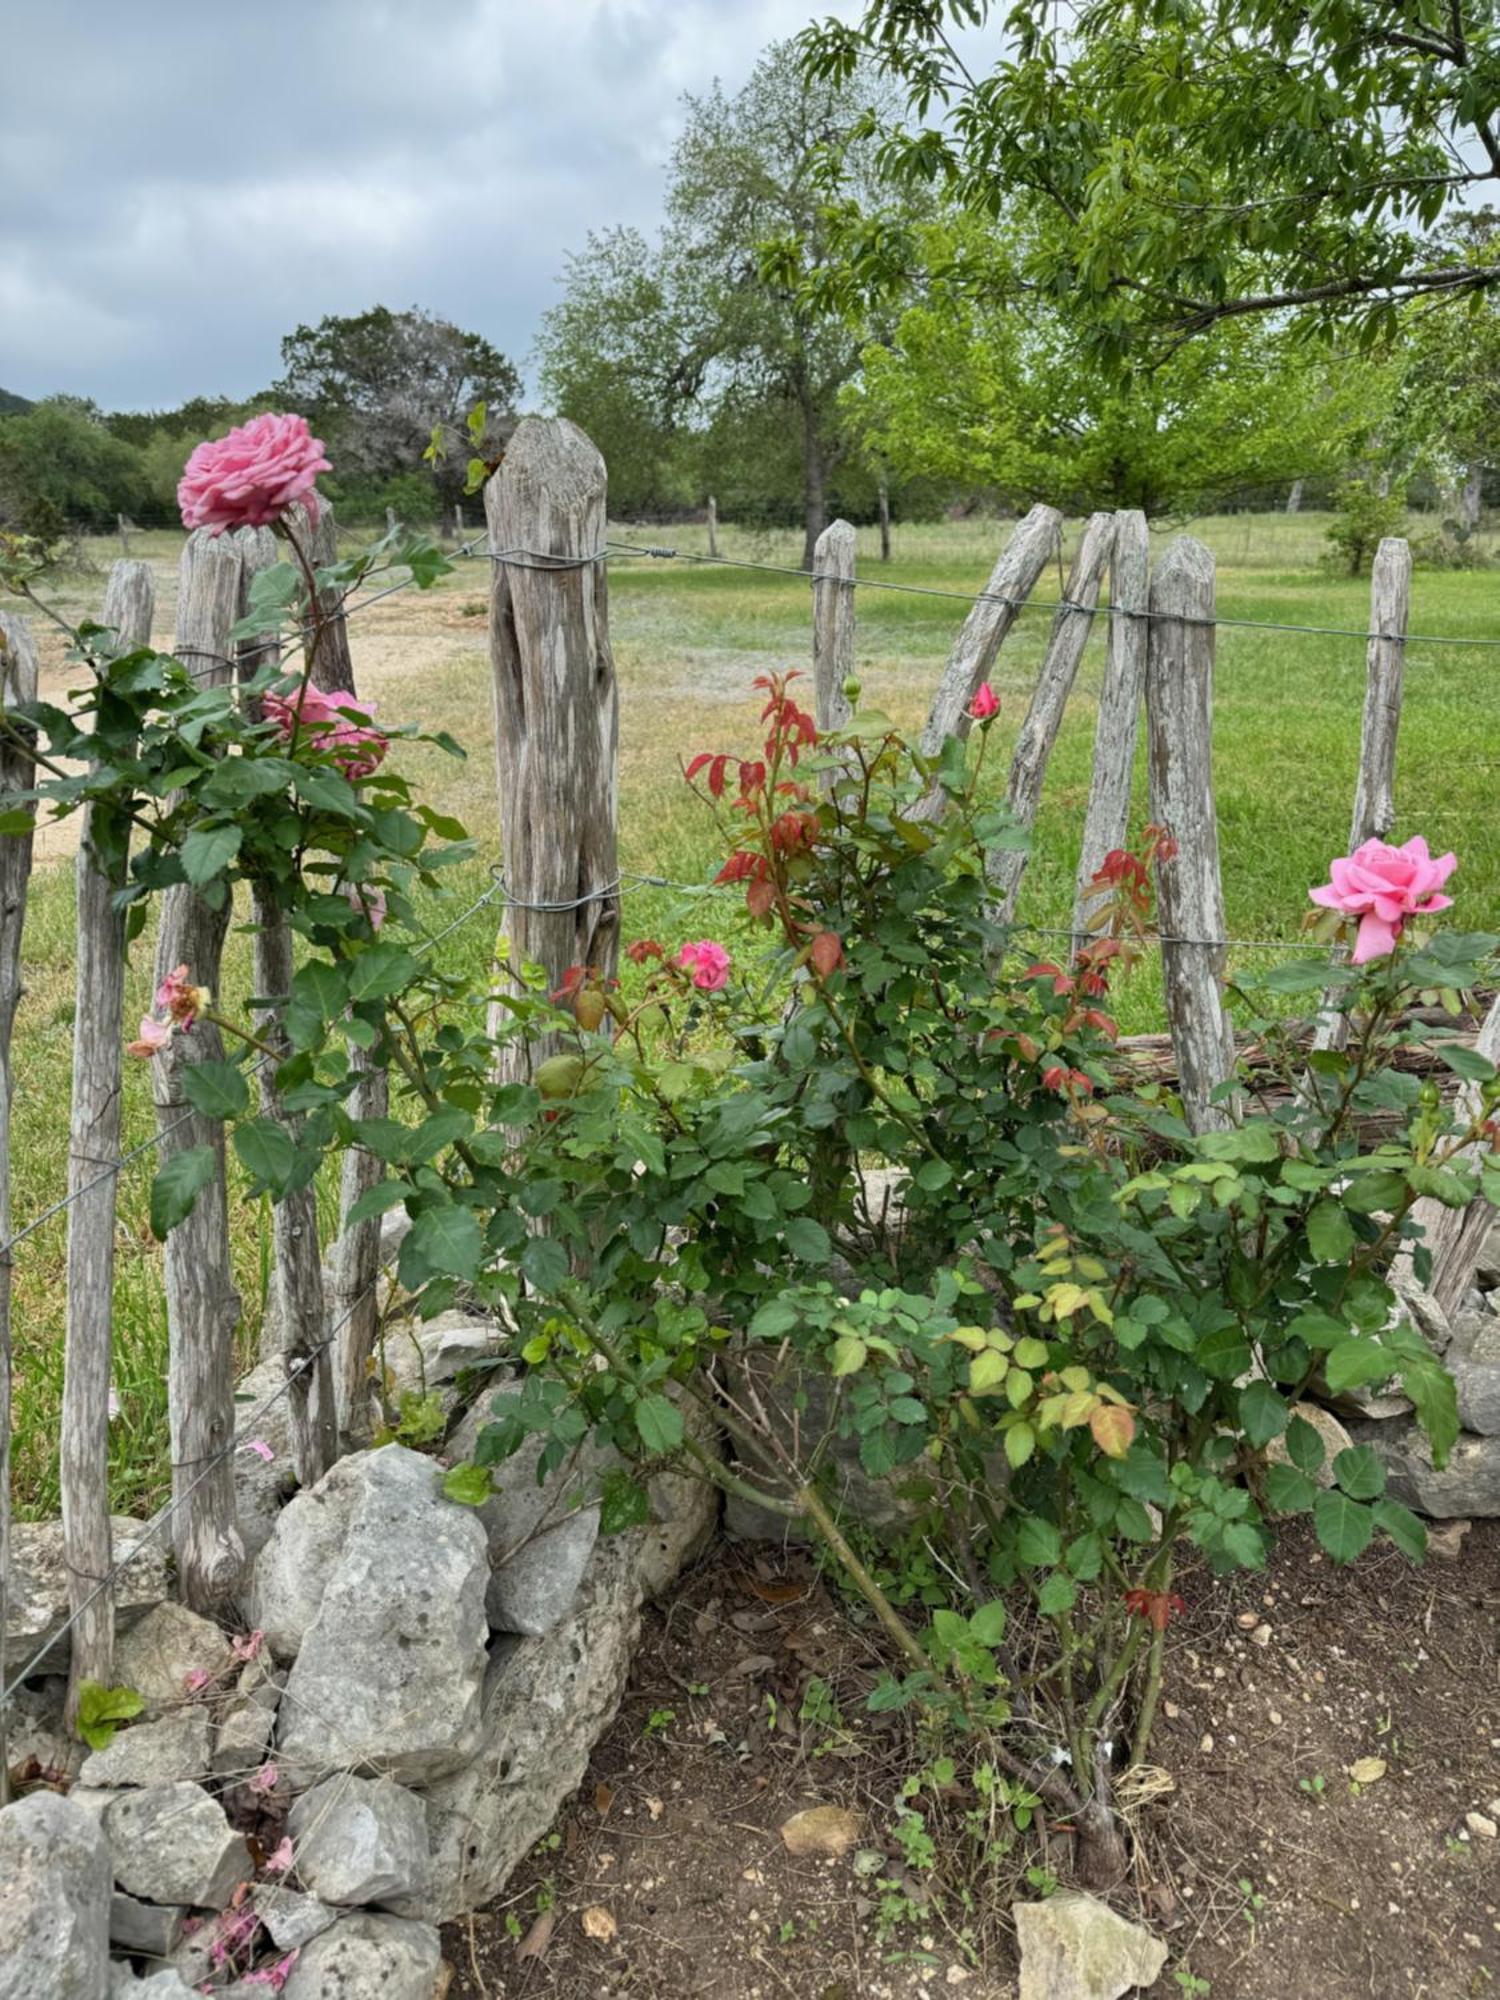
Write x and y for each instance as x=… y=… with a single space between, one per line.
x=883 y=501
x=331 y=666
x=1456 y=1236
x=1179 y=717
x=556 y=712
x=1375 y=788
x=18 y=684
x=1070 y=631
x=1106 y=824
x=296 y=1314
x=984 y=630
x=203 y=1307
x=1294 y=498
x=102 y=870
x=712 y=517
x=833 y=623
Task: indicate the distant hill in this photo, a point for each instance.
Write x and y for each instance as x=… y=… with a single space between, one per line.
x=13 y=406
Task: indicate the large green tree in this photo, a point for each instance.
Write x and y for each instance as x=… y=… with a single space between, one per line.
x=59 y=464
x=376 y=384
x=661 y=348
x=1176 y=163
x=972 y=389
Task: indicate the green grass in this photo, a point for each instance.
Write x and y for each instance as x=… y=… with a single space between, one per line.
x=688 y=640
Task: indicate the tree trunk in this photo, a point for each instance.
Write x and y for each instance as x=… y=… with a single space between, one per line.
x=712 y=517
x=814 y=487
x=1294 y=498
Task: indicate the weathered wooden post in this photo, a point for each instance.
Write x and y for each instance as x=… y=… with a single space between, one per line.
x=18 y=684
x=883 y=502
x=1455 y=1237
x=103 y=868
x=1375 y=788
x=984 y=631
x=556 y=710
x=1107 y=821
x=711 y=516
x=1070 y=630
x=297 y=1316
x=833 y=623
x=331 y=666
x=1179 y=715
x=203 y=1307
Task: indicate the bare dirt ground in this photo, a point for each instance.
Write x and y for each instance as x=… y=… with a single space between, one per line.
x=1271 y=1873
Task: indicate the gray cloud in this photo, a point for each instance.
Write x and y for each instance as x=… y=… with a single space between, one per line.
x=185 y=184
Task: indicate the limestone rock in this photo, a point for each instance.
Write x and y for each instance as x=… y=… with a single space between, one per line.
x=360 y=1840
x=292 y=1920
x=173 y=1844
x=244 y=1732
x=152 y=1929
x=36 y=1608
x=389 y=1673
x=153 y=1753
x=1474 y=1362
x=157 y=1655
x=293 y=1568
x=126 y=1984
x=368 y=1957
x=428 y=1354
x=262 y=1487
x=54 y=1901
x=1073 y=1947
x=1469 y=1484
x=1334 y=1435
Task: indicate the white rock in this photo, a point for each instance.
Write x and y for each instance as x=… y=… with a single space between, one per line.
x=36 y=1606
x=173 y=1844
x=291 y=1919
x=1073 y=1947
x=292 y=1569
x=156 y=1656
x=1333 y=1434
x=126 y=1984
x=368 y=1957
x=389 y=1673
x=152 y=1929
x=153 y=1753
x=1468 y=1485
x=38 y=1732
x=360 y=1840
x=54 y=1901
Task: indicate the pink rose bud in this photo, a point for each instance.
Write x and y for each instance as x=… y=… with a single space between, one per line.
x=708 y=963
x=985 y=703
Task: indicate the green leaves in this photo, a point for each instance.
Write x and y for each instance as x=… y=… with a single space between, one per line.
x=208 y=850
x=469 y=1485
x=102 y=1709
x=445 y=1239
x=623 y=1502
x=1263 y=1413
x=659 y=1423
x=380 y=971
x=180 y=1179
x=1344 y=1527
x=1329 y=1234
x=217 y=1089
x=268 y=1154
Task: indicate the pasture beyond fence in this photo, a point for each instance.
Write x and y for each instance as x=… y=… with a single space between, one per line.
x=557 y=710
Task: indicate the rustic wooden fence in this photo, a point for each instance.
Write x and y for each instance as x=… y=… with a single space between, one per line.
x=556 y=706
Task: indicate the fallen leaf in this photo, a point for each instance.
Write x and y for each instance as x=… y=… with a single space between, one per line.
x=604 y=1798
x=822 y=1830
x=775 y=1593
x=1367 y=1770
x=752 y=1667
x=539 y=1936
x=598 y=1923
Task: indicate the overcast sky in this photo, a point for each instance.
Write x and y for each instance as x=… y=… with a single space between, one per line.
x=185 y=183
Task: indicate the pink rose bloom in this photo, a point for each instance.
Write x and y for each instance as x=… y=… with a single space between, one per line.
x=985 y=703
x=709 y=964
x=322 y=720
x=251 y=477
x=153 y=1037
x=1383 y=886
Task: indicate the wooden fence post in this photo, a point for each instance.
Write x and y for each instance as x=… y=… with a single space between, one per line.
x=331 y=664
x=883 y=502
x=1070 y=630
x=1456 y=1236
x=833 y=623
x=984 y=630
x=1179 y=714
x=1375 y=787
x=102 y=870
x=556 y=710
x=18 y=684
x=203 y=1307
x=1107 y=822
x=297 y=1315
x=711 y=515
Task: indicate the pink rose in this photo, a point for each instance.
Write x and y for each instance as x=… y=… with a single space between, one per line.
x=251 y=477
x=1383 y=886
x=985 y=703
x=325 y=721
x=709 y=964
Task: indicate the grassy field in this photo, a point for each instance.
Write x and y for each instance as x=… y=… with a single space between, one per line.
x=688 y=640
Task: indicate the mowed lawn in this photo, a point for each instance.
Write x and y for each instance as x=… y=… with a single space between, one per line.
x=689 y=639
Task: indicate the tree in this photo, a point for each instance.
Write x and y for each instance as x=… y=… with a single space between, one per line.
x=1189 y=161
x=691 y=333
x=1450 y=403
x=971 y=389
x=58 y=463
x=375 y=385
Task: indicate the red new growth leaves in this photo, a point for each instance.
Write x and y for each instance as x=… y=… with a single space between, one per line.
x=826 y=953
x=1159 y=1606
